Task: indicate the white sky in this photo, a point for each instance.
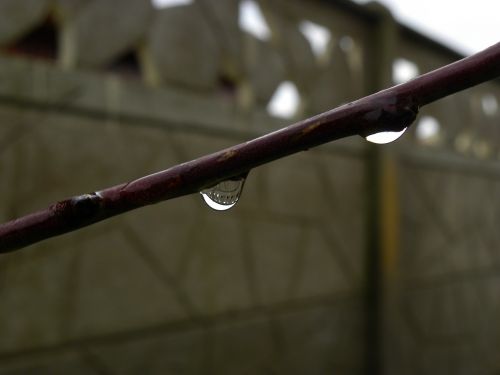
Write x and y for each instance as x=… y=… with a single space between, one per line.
x=465 y=26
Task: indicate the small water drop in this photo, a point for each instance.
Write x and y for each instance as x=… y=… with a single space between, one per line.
x=225 y=194
x=384 y=137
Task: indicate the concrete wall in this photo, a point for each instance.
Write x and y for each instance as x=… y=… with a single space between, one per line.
x=304 y=275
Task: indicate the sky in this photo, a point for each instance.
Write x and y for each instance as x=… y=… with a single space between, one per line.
x=465 y=26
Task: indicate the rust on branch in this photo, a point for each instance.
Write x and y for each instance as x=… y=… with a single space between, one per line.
x=227 y=155
x=79 y=209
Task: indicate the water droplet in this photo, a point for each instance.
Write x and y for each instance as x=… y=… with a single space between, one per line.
x=225 y=194
x=384 y=137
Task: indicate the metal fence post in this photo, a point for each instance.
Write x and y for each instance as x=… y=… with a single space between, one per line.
x=381 y=193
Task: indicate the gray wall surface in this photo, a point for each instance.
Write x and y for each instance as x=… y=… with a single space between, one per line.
x=345 y=259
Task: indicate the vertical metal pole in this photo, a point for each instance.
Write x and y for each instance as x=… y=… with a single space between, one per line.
x=372 y=336
x=380 y=180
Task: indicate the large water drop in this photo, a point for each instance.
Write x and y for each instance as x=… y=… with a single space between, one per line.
x=224 y=195
x=384 y=137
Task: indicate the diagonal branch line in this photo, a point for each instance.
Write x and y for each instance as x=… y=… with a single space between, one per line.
x=392 y=109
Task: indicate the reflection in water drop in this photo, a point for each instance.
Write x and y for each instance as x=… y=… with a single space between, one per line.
x=224 y=195
x=384 y=137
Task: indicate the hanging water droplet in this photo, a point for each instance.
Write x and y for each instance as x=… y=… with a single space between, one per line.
x=384 y=137
x=225 y=194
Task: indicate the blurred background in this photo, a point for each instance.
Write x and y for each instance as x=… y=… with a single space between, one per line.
x=350 y=258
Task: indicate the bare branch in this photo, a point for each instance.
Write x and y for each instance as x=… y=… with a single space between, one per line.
x=392 y=109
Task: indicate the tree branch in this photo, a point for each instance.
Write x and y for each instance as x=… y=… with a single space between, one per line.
x=392 y=109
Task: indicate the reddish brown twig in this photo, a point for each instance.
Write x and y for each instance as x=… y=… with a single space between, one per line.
x=389 y=110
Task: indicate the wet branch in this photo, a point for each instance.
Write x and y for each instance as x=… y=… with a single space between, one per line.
x=389 y=110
